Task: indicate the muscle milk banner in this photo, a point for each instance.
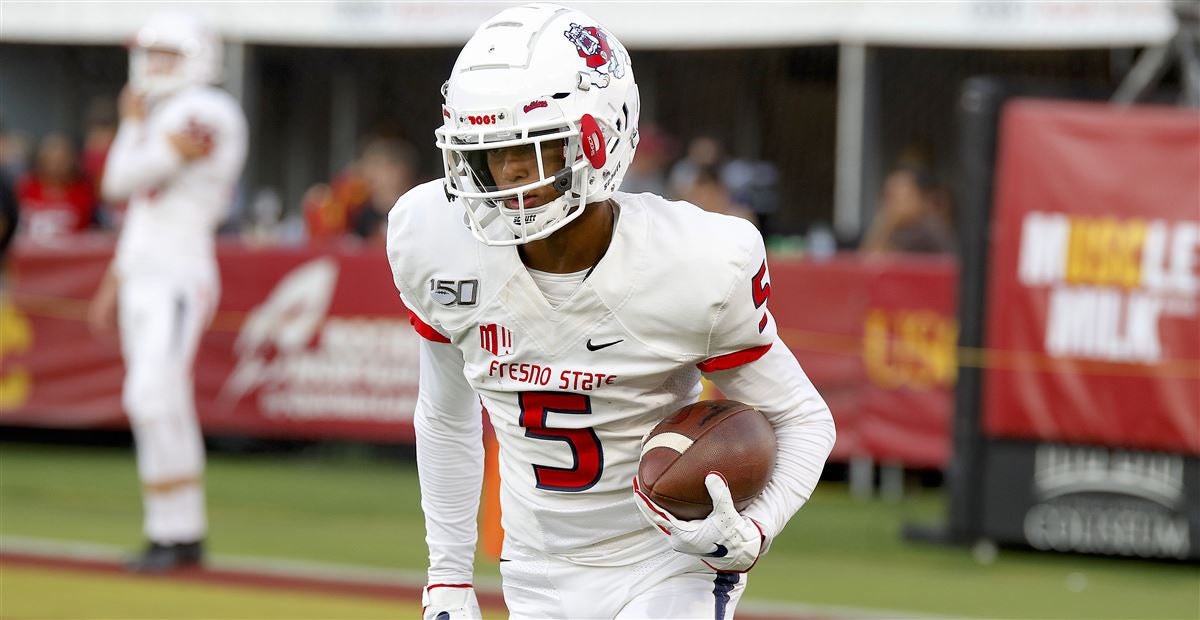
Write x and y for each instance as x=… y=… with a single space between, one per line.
x=1091 y=395
x=1095 y=277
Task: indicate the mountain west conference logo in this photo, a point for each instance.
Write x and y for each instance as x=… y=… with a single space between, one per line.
x=301 y=364
x=496 y=339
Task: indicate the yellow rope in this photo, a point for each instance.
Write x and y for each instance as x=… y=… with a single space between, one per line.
x=816 y=342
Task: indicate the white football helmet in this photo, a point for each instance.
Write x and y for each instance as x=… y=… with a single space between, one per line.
x=534 y=74
x=198 y=48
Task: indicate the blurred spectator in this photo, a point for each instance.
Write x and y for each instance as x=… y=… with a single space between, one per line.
x=754 y=184
x=267 y=223
x=327 y=207
x=9 y=216
x=101 y=129
x=55 y=198
x=262 y=218
x=357 y=201
x=914 y=215
x=648 y=171
x=704 y=152
x=743 y=187
x=14 y=154
x=388 y=166
x=820 y=241
x=9 y=212
x=708 y=192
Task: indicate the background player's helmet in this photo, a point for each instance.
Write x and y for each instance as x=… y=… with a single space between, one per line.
x=198 y=48
x=529 y=75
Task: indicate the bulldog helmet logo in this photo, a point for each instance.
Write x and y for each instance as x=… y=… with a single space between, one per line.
x=604 y=61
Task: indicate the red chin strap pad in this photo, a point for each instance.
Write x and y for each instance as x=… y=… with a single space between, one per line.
x=593 y=141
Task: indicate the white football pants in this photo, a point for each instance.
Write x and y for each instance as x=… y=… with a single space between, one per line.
x=161 y=321
x=669 y=585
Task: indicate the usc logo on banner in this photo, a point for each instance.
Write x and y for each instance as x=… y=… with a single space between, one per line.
x=16 y=336
x=912 y=349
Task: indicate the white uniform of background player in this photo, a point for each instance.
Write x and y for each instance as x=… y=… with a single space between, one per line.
x=177 y=165
x=574 y=369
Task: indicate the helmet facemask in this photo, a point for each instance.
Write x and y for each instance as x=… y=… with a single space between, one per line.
x=469 y=179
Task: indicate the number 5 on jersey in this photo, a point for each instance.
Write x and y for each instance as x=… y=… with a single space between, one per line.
x=585 y=446
x=760 y=291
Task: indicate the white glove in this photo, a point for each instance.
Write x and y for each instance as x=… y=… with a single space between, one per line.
x=450 y=602
x=725 y=540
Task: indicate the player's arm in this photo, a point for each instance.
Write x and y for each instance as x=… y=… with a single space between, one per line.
x=142 y=159
x=449 y=429
x=731 y=541
x=449 y=426
x=102 y=312
x=749 y=363
x=804 y=430
x=137 y=159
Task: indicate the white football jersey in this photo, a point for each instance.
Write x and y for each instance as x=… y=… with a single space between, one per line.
x=175 y=207
x=572 y=391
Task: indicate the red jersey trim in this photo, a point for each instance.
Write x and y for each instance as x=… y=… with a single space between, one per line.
x=448 y=585
x=733 y=360
x=425 y=329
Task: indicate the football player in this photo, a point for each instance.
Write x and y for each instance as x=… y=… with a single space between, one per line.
x=176 y=159
x=580 y=317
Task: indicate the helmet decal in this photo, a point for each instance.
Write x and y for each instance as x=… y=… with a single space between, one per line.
x=591 y=43
x=592 y=140
x=533 y=105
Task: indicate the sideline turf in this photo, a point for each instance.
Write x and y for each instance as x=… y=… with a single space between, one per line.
x=42 y=593
x=343 y=507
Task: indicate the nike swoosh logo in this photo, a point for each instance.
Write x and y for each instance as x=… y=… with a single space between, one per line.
x=719 y=553
x=597 y=347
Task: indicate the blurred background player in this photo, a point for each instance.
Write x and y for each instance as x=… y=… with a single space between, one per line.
x=586 y=316
x=56 y=198
x=176 y=159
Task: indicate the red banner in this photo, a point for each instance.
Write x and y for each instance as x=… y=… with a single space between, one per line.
x=877 y=338
x=1092 y=328
x=306 y=345
x=309 y=344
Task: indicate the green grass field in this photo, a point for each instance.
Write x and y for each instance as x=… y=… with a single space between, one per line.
x=110 y=596
x=341 y=506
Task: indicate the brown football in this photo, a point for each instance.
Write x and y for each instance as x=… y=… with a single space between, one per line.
x=712 y=435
